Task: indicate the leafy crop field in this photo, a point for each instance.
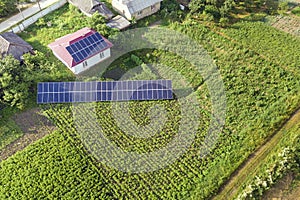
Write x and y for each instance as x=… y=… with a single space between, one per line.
x=262 y=90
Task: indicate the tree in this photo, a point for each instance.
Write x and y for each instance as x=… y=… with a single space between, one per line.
x=227 y=7
x=7 y=7
x=14 y=87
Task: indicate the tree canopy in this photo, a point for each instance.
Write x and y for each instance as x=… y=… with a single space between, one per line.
x=18 y=81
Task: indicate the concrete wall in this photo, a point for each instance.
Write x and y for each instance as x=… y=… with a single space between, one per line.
x=27 y=22
x=121 y=8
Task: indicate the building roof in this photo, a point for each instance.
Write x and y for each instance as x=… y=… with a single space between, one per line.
x=77 y=47
x=118 y=22
x=89 y=7
x=12 y=44
x=135 y=6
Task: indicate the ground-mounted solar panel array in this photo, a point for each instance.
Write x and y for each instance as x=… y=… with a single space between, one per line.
x=72 y=92
x=87 y=47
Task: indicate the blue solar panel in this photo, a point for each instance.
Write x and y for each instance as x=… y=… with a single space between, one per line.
x=68 y=92
x=87 y=47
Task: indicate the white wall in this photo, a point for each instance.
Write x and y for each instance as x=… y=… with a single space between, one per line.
x=120 y=7
x=91 y=62
x=24 y=24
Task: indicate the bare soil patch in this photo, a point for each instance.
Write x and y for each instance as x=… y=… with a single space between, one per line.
x=34 y=126
x=287 y=24
x=284 y=189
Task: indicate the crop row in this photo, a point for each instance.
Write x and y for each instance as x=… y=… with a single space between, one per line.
x=260 y=93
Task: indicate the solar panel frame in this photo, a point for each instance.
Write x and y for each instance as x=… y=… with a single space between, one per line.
x=68 y=92
x=86 y=47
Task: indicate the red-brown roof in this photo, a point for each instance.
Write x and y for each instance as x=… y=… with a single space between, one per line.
x=59 y=46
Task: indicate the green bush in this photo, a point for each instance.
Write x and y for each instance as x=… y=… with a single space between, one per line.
x=296 y=11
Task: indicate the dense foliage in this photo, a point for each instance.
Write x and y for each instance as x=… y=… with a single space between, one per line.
x=222 y=9
x=18 y=80
x=7 y=7
x=283 y=158
x=52 y=168
x=14 y=85
x=296 y=11
x=260 y=95
x=275 y=46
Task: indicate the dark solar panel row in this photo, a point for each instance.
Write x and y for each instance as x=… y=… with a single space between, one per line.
x=103 y=96
x=66 y=92
x=87 y=47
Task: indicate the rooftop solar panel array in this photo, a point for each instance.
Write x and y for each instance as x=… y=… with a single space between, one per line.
x=87 y=47
x=71 y=92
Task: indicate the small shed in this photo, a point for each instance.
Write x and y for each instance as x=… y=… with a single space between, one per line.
x=89 y=7
x=12 y=44
x=81 y=50
x=118 y=22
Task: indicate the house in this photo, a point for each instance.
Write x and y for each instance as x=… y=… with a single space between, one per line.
x=81 y=50
x=12 y=44
x=89 y=7
x=136 y=9
x=118 y=22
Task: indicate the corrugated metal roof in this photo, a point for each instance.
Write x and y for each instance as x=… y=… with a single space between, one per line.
x=118 y=22
x=12 y=44
x=135 y=6
x=91 y=6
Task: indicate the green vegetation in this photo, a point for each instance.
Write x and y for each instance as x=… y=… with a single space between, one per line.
x=296 y=11
x=18 y=82
x=7 y=7
x=268 y=42
x=50 y=169
x=262 y=89
x=282 y=158
x=267 y=94
x=63 y=21
x=271 y=161
x=9 y=131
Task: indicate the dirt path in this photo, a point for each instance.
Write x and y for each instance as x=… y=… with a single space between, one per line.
x=284 y=189
x=251 y=165
x=34 y=126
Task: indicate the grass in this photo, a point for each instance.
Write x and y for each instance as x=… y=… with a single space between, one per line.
x=9 y=132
